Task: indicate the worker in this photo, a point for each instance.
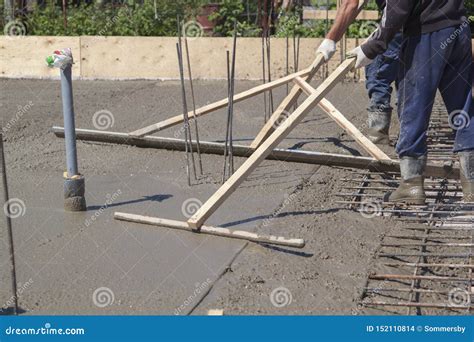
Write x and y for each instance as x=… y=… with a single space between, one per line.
x=436 y=55
x=380 y=75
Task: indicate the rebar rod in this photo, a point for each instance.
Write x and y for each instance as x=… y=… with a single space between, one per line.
x=11 y=249
x=193 y=98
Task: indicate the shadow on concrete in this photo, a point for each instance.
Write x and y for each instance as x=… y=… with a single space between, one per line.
x=335 y=141
x=280 y=215
x=154 y=198
x=286 y=250
x=10 y=312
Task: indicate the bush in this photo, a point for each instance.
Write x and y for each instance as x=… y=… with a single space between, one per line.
x=132 y=19
x=139 y=19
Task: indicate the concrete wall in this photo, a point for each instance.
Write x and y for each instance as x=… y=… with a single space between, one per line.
x=150 y=57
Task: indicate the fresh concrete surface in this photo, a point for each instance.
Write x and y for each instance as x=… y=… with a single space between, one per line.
x=62 y=261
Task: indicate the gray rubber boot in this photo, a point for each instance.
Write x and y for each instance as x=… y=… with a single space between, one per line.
x=411 y=189
x=467 y=175
x=379 y=126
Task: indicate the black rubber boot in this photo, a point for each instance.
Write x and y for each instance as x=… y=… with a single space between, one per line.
x=411 y=189
x=467 y=175
x=379 y=126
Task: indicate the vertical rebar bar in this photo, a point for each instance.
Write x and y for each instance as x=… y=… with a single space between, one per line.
x=231 y=103
x=195 y=118
x=187 y=126
x=226 y=142
x=9 y=227
x=264 y=76
x=295 y=63
x=229 y=147
x=270 y=93
x=186 y=119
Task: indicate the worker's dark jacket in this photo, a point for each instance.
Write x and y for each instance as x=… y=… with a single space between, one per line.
x=381 y=4
x=415 y=17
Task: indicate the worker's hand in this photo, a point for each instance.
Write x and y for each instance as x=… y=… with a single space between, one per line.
x=327 y=48
x=362 y=59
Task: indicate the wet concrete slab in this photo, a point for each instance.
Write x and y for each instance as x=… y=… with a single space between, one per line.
x=63 y=262
x=66 y=257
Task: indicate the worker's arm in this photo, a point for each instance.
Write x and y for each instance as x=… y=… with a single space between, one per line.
x=346 y=14
x=395 y=15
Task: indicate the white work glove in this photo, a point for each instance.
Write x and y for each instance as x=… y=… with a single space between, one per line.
x=327 y=48
x=362 y=59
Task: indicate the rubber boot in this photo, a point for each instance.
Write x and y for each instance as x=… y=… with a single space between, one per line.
x=467 y=175
x=411 y=189
x=379 y=126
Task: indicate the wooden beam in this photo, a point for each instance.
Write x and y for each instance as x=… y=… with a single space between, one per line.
x=217 y=231
x=314 y=14
x=291 y=156
x=285 y=106
x=267 y=147
x=176 y=120
x=345 y=124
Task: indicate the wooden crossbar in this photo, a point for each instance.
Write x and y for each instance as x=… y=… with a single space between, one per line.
x=285 y=105
x=290 y=156
x=218 y=231
x=197 y=220
x=176 y=120
x=345 y=124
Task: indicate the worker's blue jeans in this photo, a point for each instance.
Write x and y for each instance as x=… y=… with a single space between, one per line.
x=381 y=74
x=434 y=61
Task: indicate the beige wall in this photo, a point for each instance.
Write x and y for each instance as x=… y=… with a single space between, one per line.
x=149 y=57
